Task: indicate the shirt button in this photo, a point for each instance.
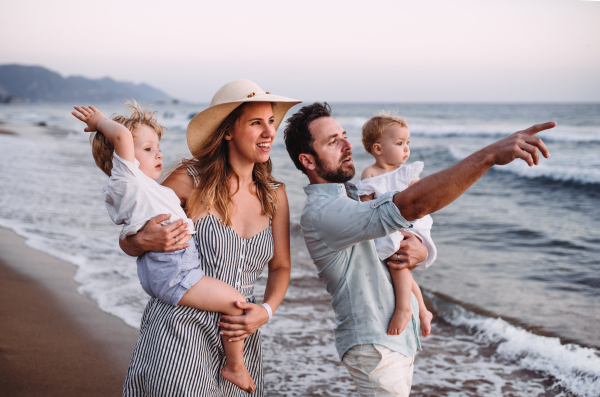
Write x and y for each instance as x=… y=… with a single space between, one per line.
x=240 y=270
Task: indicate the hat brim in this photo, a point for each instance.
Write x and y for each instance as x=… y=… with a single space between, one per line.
x=208 y=120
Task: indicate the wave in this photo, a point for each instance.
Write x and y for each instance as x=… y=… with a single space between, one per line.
x=558 y=173
x=574 y=135
x=572 y=367
x=435 y=130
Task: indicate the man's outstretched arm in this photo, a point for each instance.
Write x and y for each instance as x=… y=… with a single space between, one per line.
x=438 y=190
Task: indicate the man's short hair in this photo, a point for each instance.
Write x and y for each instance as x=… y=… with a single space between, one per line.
x=373 y=129
x=297 y=136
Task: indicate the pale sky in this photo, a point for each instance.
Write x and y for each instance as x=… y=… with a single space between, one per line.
x=354 y=51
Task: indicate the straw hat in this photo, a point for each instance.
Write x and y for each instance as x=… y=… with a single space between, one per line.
x=229 y=97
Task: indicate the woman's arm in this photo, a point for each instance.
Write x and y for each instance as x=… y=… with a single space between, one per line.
x=241 y=327
x=156 y=237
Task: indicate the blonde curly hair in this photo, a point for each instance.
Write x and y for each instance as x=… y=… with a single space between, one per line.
x=102 y=149
x=373 y=129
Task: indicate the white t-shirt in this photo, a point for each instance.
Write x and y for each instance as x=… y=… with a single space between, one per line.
x=132 y=198
x=398 y=180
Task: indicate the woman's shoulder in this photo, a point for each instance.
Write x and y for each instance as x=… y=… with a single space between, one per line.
x=181 y=182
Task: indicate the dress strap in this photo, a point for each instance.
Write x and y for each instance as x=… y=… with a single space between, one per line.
x=194 y=173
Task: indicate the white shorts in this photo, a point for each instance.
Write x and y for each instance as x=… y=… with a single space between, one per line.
x=379 y=371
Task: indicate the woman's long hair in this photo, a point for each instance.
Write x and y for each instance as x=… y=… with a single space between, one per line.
x=211 y=186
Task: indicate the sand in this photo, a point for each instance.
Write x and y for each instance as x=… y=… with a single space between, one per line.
x=53 y=341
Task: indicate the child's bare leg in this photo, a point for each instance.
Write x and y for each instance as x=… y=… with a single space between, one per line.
x=402 y=280
x=214 y=295
x=425 y=316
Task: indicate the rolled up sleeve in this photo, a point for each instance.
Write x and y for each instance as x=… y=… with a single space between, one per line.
x=343 y=222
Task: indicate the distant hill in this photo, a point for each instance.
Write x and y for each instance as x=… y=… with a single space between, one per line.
x=20 y=83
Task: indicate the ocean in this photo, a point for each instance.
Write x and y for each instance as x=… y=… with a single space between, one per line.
x=515 y=290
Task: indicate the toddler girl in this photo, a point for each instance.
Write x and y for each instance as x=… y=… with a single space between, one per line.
x=127 y=150
x=386 y=138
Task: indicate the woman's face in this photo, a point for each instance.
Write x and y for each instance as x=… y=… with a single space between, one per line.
x=253 y=134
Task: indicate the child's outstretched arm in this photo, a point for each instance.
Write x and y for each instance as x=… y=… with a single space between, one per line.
x=118 y=135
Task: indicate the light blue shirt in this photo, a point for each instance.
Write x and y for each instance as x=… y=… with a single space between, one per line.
x=339 y=231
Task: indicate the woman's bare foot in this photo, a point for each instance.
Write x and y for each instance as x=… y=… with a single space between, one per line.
x=399 y=321
x=425 y=316
x=240 y=377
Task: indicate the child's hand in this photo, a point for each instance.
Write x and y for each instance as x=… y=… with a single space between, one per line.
x=89 y=115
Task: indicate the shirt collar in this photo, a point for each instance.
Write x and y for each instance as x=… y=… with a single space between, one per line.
x=329 y=189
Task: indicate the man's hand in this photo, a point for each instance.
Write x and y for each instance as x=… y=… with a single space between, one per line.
x=521 y=145
x=240 y=327
x=412 y=252
x=436 y=191
x=89 y=115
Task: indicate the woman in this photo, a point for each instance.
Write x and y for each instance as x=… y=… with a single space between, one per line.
x=241 y=217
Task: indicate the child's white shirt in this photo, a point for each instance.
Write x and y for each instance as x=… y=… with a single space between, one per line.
x=398 y=180
x=132 y=198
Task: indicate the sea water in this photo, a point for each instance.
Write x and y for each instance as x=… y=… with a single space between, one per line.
x=515 y=288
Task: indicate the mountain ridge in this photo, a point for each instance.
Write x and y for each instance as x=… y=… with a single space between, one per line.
x=21 y=83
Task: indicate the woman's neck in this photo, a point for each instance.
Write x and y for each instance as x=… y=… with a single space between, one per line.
x=244 y=171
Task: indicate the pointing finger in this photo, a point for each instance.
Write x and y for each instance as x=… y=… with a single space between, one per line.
x=531 y=131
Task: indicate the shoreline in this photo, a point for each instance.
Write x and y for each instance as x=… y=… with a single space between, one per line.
x=54 y=341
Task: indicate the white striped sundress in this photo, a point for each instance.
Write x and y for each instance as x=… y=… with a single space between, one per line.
x=179 y=351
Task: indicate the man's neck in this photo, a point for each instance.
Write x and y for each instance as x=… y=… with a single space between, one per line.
x=315 y=179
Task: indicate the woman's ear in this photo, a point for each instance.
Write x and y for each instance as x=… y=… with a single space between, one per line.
x=228 y=137
x=307 y=161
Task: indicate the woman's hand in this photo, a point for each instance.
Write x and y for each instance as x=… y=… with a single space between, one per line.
x=156 y=237
x=412 y=252
x=240 y=327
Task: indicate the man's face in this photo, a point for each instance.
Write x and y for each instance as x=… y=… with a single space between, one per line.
x=333 y=161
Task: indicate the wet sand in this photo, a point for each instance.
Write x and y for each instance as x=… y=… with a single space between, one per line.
x=53 y=341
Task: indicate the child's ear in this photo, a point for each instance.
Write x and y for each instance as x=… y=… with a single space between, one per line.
x=377 y=148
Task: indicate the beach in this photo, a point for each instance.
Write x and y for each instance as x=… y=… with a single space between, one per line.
x=54 y=341
x=514 y=291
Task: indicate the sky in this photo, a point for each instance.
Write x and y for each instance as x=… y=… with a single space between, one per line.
x=350 y=51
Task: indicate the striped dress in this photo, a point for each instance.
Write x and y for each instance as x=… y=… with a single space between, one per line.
x=179 y=351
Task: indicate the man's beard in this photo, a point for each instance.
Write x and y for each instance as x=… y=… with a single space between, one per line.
x=339 y=175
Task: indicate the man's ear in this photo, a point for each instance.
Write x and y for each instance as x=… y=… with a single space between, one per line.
x=308 y=161
x=377 y=148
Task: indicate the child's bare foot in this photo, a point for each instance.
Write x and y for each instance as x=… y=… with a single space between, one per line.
x=425 y=316
x=399 y=321
x=240 y=377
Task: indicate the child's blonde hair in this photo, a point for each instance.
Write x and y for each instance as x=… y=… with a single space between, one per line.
x=373 y=129
x=102 y=149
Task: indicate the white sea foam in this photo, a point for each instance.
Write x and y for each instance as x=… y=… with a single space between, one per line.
x=558 y=173
x=573 y=367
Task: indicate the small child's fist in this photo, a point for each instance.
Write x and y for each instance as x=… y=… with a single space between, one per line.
x=89 y=115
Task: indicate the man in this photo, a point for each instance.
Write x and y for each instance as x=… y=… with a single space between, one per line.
x=339 y=231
